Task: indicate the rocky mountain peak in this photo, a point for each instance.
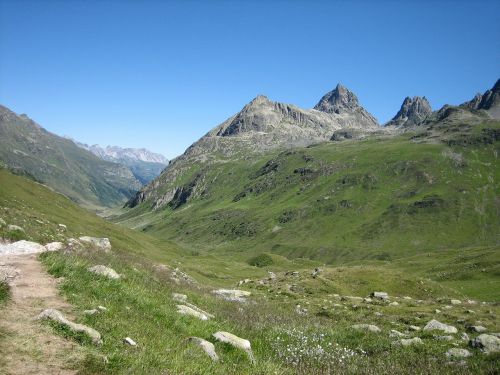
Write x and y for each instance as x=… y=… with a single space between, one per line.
x=338 y=100
x=489 y=101
x=412 y=112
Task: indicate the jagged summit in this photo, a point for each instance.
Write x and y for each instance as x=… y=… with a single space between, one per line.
x=489 y=101
x=413 y=111
x=338 y=100
x=342 y=101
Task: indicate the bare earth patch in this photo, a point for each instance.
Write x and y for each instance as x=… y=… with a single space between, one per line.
x=26 y=345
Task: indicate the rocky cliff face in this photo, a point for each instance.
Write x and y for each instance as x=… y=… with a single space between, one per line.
x=413 y=112
x=489 y=101
x=263 y=125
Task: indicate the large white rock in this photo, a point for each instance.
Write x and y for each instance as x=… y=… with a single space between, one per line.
x=232 y=294
x=104 y=271
x=434 y=325
x=207 y=347
x=57 y=316
x=21 y=247
x=235 y=341
x=100 y=243
x=366 y=327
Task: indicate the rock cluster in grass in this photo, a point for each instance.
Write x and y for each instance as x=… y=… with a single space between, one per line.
x=104 y=271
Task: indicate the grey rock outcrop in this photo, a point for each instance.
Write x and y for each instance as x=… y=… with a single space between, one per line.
x=58 y=317
x=99 y=243
x=413 y=112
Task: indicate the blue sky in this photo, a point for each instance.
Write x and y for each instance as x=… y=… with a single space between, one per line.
x=160 y=74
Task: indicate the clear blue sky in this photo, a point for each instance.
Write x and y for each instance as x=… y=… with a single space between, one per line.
x=160 y=74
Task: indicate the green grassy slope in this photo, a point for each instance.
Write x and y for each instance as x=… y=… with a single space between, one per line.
x=140 y=306
x=28 y=149
x=381 y=199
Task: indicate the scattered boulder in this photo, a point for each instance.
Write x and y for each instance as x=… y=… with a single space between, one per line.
x=272 y=275
x=464 y=337
x=455 y=302
x=351 y=298
x=179 y=297
x=438 y=326
x=366 y=327
x=91 y=312
x=129 y=341
x=300 y=310
x=100 y=243
x=62 y=227
x=54 y=246
x=232 y=294
x=14 y=228
x=186 y=310
x=58 y=317
x=207 y=347
x=102 y=308
x=316 y=272
x=380 y=295
x=458 y=353
x=2 y=223
x=235 y=341
x=394 y=303
x=488 y=343
x=104 y=271
x=410 y=342
x=414 y=328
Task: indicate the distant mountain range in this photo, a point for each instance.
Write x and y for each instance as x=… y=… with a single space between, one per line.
x=144 y=164
x=92 y=181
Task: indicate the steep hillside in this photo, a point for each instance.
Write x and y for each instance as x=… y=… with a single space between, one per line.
x=144 y=164
x=383 y=197
x=260 y=127
x=27 y=148
x=299 y=322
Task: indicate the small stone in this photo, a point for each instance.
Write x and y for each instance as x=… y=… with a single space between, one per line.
x=14 y=228
x=366 y=327
x=235 y=341
x=458 y=353
x=186 y=310
x=394 y=303
x=57 y=316
x=179 y=297
x=414 y=328
x=395 y=333
x=207 y=347
x=102 y=308
x=380 y=295
x=232 y=294
x=91 y=312
x=54 y=246
x=464 y=336
x=412 y=341
x=444 y=338
x=478 y=329
x=129 y=341
x=455 y=302
x=437 y=311
x=104 y=271
x=62 y=227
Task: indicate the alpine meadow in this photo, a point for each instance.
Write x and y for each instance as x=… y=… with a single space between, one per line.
x=288 y=239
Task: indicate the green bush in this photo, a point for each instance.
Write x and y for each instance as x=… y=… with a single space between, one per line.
x=261 y=260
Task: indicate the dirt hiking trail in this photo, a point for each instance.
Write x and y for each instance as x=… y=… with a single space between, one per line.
x=26 y=345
